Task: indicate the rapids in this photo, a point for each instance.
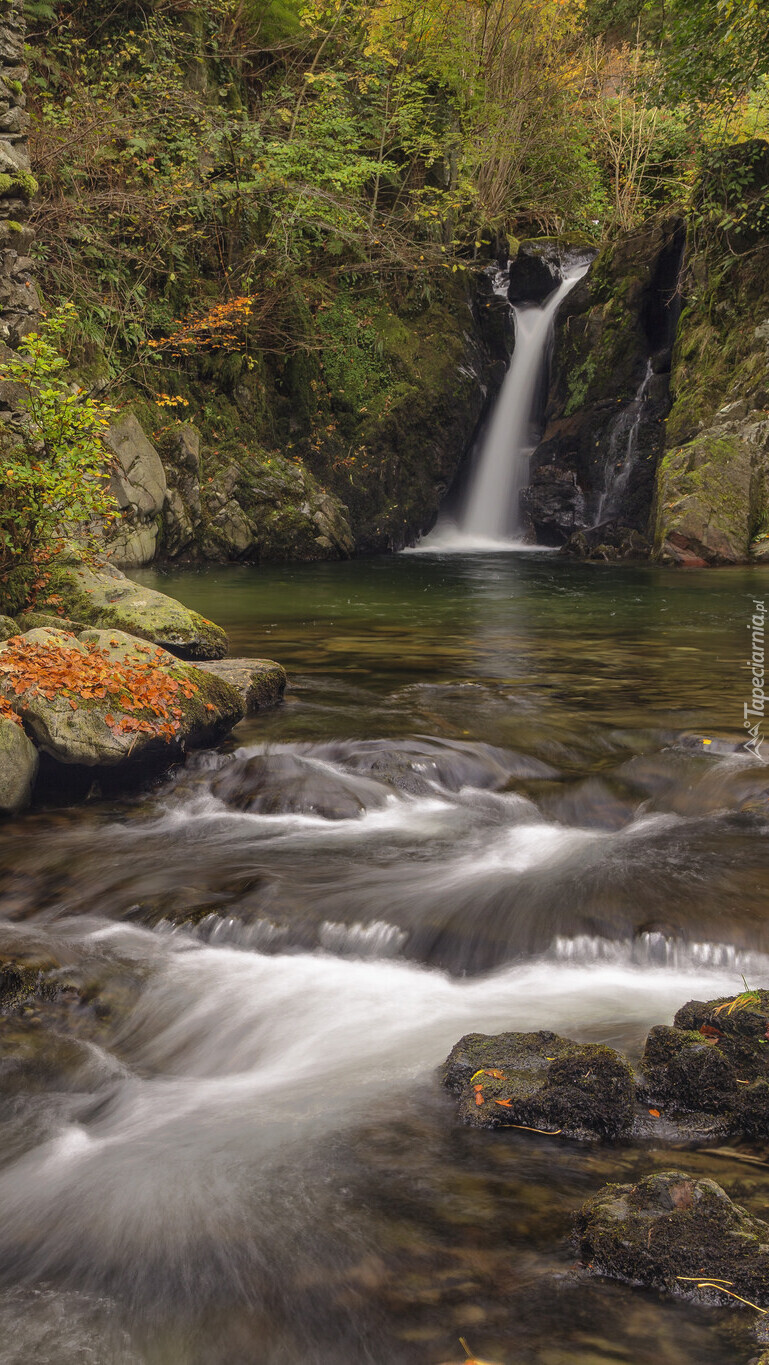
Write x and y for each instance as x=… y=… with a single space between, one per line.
x=485 y=804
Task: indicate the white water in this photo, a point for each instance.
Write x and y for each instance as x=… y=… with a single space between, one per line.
x=490 y=519
x=234 y=1061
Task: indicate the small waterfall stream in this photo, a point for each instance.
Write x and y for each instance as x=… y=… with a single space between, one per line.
x=623 y=446
x=489 y=518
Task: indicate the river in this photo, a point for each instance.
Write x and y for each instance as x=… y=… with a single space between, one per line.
x=486 y=803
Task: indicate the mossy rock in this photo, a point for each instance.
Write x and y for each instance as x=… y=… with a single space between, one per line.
x=714 y=1060
x=260 y=681
x=541 y=1081
x=674 y=1232
x=92 y=731
x=45 y=620
x=105 y=597
x=18 y=768
x=8 y=627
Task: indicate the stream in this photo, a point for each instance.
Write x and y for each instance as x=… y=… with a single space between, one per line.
x=485 y=804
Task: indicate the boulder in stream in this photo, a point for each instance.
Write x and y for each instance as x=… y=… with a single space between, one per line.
x=535 y=272
x=676 y=1232
x=18 y=767
x=542 y=1082
x=105 y=597
x=715 y=1059
x=260 y=682
x=106 y=698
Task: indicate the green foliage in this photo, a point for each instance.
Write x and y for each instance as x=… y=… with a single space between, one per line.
x=54 y=465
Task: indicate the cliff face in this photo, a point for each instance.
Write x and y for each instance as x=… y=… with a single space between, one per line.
x=592 y=475
x=18 y=297
x=657 y=435
x=712 y=494
x=313 y=459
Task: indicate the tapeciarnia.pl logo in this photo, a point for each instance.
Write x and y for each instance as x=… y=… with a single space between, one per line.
x=754 y=710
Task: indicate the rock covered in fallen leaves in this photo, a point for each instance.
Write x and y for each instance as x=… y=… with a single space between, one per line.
x=105 y=597
x=676 y=1232
x=18 y=766
x=543 y=1082
x=106 y=698
x=715 y=1059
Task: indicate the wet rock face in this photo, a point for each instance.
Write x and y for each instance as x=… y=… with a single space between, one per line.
x=535 y=272
x=715 y=1059
x=609 y=392
x=538 y=1080
x=553 y=504
x=675 y=1232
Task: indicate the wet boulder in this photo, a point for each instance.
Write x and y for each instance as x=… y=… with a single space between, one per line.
x=541 y=1081
x=260 y=682
x=420 y=766
x=678 y=1233
x=107 y=699
x=18 y=767
x=287 y=784
x=715 y=1059
x=535 y=272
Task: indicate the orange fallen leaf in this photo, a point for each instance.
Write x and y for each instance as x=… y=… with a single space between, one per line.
x=506 y=1104
x=655 y=1113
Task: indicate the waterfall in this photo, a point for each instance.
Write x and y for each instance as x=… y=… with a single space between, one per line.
x=489 y=518
x=623 y=443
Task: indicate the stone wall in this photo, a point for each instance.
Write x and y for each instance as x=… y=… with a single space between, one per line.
x=18 y=297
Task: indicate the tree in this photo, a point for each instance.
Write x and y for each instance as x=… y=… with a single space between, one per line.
x=54 y=465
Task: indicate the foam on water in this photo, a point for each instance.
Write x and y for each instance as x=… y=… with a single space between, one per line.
x=234 y=1060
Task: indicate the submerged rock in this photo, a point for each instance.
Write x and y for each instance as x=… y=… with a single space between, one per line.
x=714 y=1060
x=286 y=784
x=18 y=767
x=105 y=597
x=541 y=1081
x=676 y=1232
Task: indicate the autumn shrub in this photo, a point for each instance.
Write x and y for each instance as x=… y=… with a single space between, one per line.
x=54 y=464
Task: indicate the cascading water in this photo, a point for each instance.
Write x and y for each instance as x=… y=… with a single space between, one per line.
x=623 y=446
x=489 y=518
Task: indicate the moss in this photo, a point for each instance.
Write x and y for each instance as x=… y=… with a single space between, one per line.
x=544 y=1082
x=102 y=599
x=21 y=183
x=672 y=1225
x=579 y=381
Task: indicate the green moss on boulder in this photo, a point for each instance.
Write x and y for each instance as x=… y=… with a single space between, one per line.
x=105 y=597
x=674 y=1232
x=544 y=1081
